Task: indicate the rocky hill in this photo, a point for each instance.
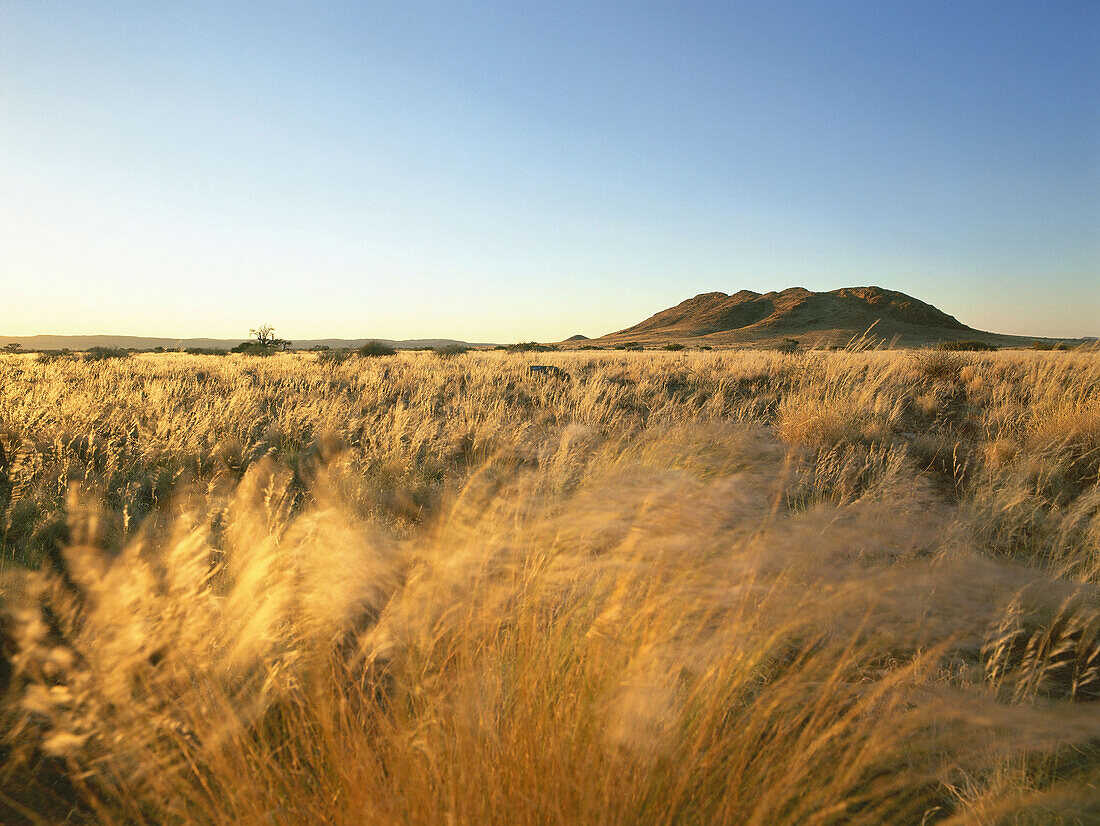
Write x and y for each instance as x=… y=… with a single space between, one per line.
x=812 y=318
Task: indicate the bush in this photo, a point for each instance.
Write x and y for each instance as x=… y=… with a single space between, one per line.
x=373 y=349
x=629 y=345
x=966 y=344
x=251 y=348
x=938 y=365
x=674 y=347
x=530 y=347
x=329 y=356
x=450 y=350
x=203 y=351
x=101 y=353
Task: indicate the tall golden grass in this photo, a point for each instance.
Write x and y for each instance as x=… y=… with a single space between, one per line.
x=679 y=588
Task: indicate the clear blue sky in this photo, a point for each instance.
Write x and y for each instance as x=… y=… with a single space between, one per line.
x=508 y=171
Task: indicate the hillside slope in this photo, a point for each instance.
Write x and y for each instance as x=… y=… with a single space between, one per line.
x=813 y=318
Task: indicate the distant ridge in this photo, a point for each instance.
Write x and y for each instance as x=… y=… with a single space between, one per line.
x=813 y=318
x=58 y=342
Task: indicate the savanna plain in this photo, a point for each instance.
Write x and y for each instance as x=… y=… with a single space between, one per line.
x=676 y=587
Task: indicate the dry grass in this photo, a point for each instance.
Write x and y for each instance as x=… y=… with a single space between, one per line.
x=679 y=588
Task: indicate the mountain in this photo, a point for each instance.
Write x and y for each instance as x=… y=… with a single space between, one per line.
x=813 y=318
x=57 y=342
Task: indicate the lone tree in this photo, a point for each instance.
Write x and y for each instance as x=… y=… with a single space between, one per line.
x=13 y=347
x=264 y=335
x=263 y=342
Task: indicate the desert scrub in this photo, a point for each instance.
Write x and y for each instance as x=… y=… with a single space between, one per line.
x=447 y=351
x=374 y=349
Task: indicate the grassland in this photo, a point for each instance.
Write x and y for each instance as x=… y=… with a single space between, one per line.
x=770 y=588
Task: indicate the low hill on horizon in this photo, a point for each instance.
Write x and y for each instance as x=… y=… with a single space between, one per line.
x=83 y=342
x=748 y=318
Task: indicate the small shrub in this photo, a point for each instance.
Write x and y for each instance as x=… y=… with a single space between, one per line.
x=530 y=347
x=450 y=350
x=205 y=351
x=675 y=347
x=328 y=356
x=374 y=349
x=101 y=353
x=251 y=348
x=938 y=365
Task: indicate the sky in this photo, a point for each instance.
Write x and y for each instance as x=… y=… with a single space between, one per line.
x=507 y=171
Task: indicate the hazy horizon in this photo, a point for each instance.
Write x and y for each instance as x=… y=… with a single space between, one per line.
x=242 y=336
x=505 y=172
